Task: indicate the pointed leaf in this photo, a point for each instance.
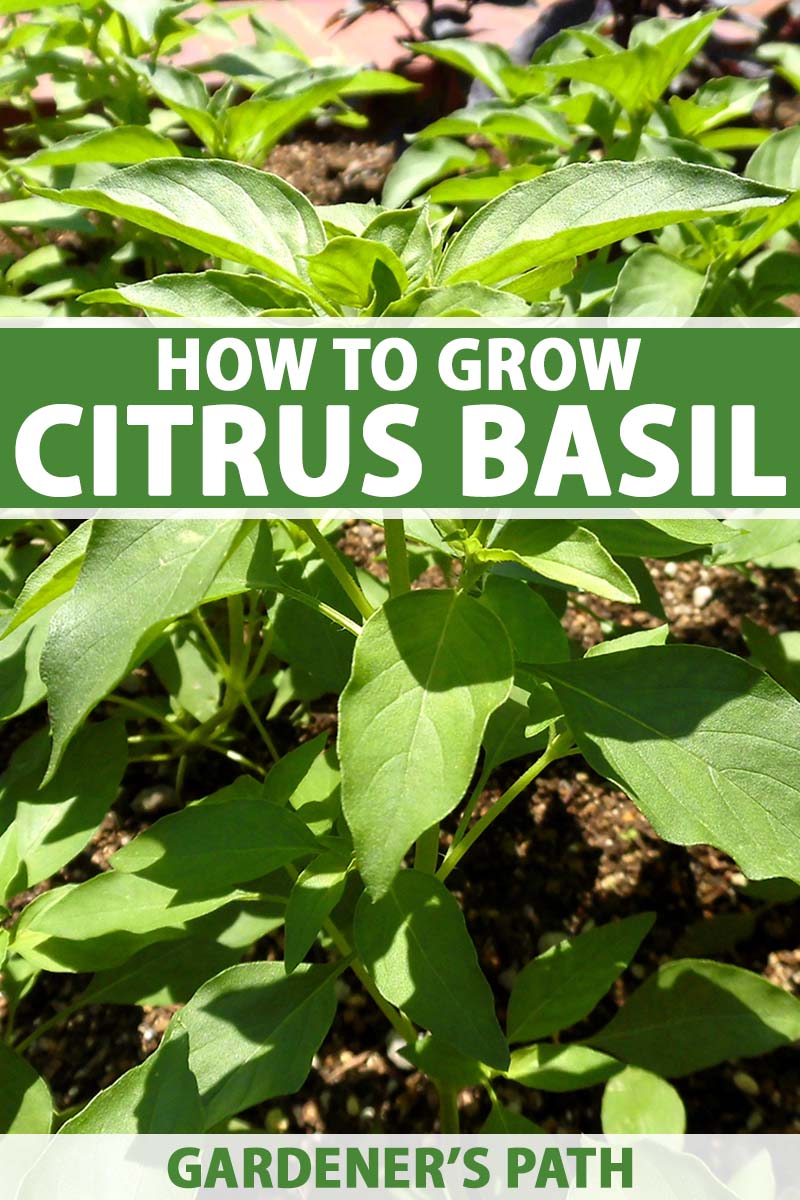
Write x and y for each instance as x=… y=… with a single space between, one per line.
x=25 y=1104
x=588 y=205
x=535 y=632
x=562 y=551
x=124 y=144
x=707 y=746
x=562 y=986
x=415 y=945
x=777 y=161
x=54 y=823
x=503 y=1121
x=313 y=898
x=205 y=296
x=95 y=925
x=253 y=1031
x=561 y=1068
x=693 y=1014
x=55 y=576
x=222 y=208
x=171 y=972
x=659 y=50
x=429 y=669
x=214 y=845
x=138 y=576
x=144 y=15
x=160 y=1096
x=653 y=284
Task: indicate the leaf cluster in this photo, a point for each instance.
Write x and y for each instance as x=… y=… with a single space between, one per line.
x=197 y=650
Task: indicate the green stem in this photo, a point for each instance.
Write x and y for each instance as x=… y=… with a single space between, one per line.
x=141 y=710
x=319 y=606
x=260 y=726
x=336 y=564
x=719 y=275
x=211 y=642
x=463 y=824
x=628 y=147
x=484 y=530
x=397 y=557
x=448 y=1108
x=261 y=657
x=558 y=748
x=397 y=1019
x=238 y=646
x=240 y=759
x=426 y=854
x=180 y=777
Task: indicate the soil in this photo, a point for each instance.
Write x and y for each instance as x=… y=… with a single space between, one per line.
x=571 y=850
x=335 y=171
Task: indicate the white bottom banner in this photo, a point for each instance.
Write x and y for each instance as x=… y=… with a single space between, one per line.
x=697 y=1167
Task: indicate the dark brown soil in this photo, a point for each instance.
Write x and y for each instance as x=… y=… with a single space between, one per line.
x=570 y=851
x=336 y=171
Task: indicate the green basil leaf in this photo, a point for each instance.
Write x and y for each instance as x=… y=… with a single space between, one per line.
x=253 y=1031
x=21 y=685
x=657 y=539
x=562 y=551
x=409 y=235
x=584 y=206
x=761 y=538
x=463 y=300
x=518 y=726
x=715 y=103
x=505 y=1122
x=252 y=129
x=561 y=1068
x=160 y=1096
x=144 y=15
x=443 y=1062
x=493 y=118
x=343 y=271
x=25 y=1104
x=535 y=632
x=137 y=577
x=54 y=822
x=481 y=60
x=704 y=743
x=637 y=77
x=629 y=641
x=653 y=284
x=694 y=1014
x=186 y=668
x=415 y=945
x=96 y=925
x=563 y=985
x=423 y=164
x=51 y=579
x=307 y=639
x=124 y=144
x=636 y=1101
x=171 y=972
x=776 y=161
x=313 y=898
x=224 y=209
x=778 y=654
x=217 y=843
x=429 y=669
x=206 y=296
